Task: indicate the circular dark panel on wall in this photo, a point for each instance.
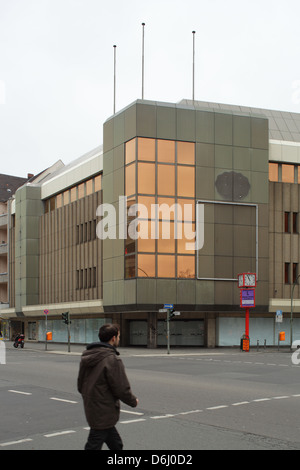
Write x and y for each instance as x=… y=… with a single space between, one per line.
x=232 y=186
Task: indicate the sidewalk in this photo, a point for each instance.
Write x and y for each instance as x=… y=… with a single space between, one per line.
x=136 y=351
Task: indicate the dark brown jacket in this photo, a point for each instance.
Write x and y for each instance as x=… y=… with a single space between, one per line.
x=102 y=382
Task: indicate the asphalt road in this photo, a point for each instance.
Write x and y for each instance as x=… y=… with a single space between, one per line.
x=188 y=400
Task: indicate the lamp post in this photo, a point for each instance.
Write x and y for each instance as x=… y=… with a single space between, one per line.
x=291 y=321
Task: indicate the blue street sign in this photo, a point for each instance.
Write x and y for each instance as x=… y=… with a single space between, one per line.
x=168 y=306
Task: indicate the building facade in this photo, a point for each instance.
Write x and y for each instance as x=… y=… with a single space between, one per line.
x=180 y=200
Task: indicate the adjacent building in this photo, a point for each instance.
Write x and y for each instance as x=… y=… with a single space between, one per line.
x=180 y=199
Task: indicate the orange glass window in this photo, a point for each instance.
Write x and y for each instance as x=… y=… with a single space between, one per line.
x=146 y=265
x=185 y=238
x=273 y=171
x=166 y=180
x=130 y=179
x=146 y=149
x=166 y=237
x=81 y=190
x=130 y=151
x=186 y=210
x=89 y=187
x=74 y=194
x=166 y=151
x=288 y=172
x=148 y=202
x=166 y=208
x=66 y=197
x=186 y=153
x=146 y=236
x=98 y=180
x=186 y=266
x=186 y=181
x=58 y=201
x=146 y=178
x=165 y=266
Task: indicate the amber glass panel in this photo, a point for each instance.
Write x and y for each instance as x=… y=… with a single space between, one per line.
x=130 y=179
x=59 y=201
x=81 y=190
x=129 y=266
x=66 y=197
x=148 y=202
x=273 y=171
x=146 y=240
x=165 y=266
x=166 y=209
x=166 y=151
x=186 y=153
x=166 y=180
x=89 y=187
x=288 y=172
x=186 y=266
x=130 y=150
x=146 y=178
x=186 y=181
x=74 y=194
x=166 y=239
x=98 y=183
x=146 y=149
x=186 y=210
x=146 y=265
x=185 y=235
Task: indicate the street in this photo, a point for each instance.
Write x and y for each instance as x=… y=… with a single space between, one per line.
x=196 y=399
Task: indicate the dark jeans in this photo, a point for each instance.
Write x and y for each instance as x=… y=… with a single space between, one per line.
x=110 y=436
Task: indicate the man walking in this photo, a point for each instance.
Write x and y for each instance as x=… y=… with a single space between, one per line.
x=102 y=382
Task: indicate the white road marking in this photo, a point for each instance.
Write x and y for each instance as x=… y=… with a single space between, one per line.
x=18 y=391
x=62 y=399
x=133 y=421
x=132 y=412
x=14 y=442
x=54 y=434
x=217 y=407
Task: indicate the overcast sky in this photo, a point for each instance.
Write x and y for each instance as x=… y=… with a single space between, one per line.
x=56 y=65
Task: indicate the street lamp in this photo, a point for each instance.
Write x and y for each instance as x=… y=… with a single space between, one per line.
x=293 y=288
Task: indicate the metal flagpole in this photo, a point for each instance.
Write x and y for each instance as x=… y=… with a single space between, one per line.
x=115 y=49
x=194 y=32
x=143 y=59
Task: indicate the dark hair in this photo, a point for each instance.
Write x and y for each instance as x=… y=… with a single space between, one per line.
x=107 y=331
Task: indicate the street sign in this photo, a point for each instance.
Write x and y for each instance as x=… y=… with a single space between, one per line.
x=168 y=306
x=247 y=298
x=163 y=310
x=46 y=312
x=279 y=316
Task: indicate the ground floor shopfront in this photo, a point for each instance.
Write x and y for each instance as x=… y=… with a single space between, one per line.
x=150 y=329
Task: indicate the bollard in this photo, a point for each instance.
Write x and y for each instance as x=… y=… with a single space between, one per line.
x=257 y=347
x=265 y=344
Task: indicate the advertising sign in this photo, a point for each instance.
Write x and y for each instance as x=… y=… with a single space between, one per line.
x=247 y=298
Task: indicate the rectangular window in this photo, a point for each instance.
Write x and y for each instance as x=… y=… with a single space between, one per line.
x=287 y=222
x=288 y=174
x=295 y=222
x=287 y=273
x=146 y=149
x=295 y=272
x=273 y=172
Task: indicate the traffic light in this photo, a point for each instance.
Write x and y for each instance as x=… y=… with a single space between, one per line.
x=65 y=317
x=171 y=313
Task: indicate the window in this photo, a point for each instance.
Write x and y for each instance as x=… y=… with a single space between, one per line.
x=295 y=222
x=287 y=273
x=160 y=174
x=288 y=173
x=287 y=222
x=295 y=272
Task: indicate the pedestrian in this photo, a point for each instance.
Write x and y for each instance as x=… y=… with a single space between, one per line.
x=102 y=382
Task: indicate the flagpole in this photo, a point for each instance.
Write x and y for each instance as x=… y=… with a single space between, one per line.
x=115 y=53
x=143 y=58
x=194 y=32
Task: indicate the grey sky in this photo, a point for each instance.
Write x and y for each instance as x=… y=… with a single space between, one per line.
x=56 y=65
